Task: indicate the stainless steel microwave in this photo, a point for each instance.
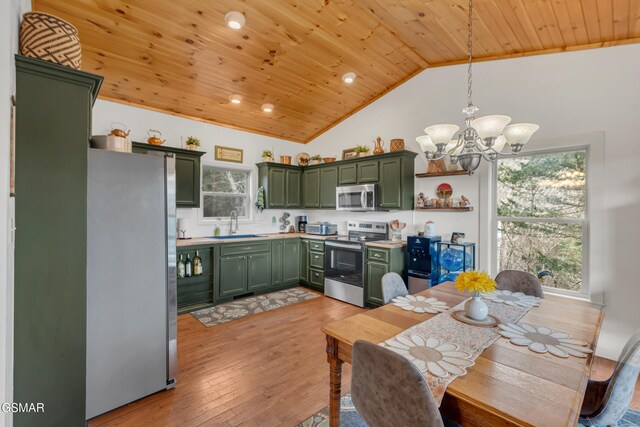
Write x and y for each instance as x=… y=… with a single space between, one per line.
x=357 y=198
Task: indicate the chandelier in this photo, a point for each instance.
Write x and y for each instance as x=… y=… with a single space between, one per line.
x=483 y=138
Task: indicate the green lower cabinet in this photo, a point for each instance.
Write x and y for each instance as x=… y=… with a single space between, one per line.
x=381 y=261
x=375 y=271
x=233 y=276
x=315 y=265
x=258 y=271
x=304 y=261
x=291 y=261
x=277 y=249
x=197 y=291
x=316 y=279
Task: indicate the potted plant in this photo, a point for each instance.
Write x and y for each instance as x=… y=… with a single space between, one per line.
x=314 y=160
x=362 y=150
x=192 y=143
x=477 y=283
x=267 y=156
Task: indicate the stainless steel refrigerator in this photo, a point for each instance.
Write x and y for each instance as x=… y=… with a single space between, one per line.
x=131 y=278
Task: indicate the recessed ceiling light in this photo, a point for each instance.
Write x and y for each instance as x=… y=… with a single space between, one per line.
x=349 y=77
x=267 y=108
x=234 y=20
x=235 y=99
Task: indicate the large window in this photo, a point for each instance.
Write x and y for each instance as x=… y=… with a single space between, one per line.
x=224 y=190
x=542 y=216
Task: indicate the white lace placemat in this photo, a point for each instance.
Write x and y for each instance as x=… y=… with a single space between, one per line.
x=420 y=304
x=512 y=298
x=443 y=348
x=543 y=340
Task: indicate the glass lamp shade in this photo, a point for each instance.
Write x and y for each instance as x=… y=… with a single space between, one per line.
x=498 y=144
x=451 y=148
x=426 y=144
x=520 y=133
x=441 y=134
x=490 y=126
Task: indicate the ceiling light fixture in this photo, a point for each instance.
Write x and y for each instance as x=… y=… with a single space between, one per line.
x=235 y=99
x=234 y=20
x=349 y=77
x=483 y=137
x=267 y=108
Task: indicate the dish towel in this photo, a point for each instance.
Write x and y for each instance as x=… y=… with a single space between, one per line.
x=260 y=199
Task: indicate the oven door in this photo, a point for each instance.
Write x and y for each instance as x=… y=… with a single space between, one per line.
x=344 y=262
x=356 y=198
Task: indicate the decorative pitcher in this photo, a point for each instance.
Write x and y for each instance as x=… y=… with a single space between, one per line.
x=379 y=146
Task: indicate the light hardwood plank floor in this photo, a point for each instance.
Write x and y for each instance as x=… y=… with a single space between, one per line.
x=268 y=369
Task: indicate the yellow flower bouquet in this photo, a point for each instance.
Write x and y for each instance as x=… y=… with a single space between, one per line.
x=475 y=282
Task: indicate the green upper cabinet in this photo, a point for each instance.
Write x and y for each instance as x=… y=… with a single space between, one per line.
x=311 y=188
x=294 y=185
x=282 y=185
x=328 y=184
x=396 y=183
x=368 y=172
x=348 y=174
x=187 y=172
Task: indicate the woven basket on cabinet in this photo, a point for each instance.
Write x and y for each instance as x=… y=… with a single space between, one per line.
x=50 y=38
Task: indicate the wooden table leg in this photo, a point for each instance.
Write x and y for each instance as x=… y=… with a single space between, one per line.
x=335 y=381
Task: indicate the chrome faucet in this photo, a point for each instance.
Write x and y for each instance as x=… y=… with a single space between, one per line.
x=232 y=215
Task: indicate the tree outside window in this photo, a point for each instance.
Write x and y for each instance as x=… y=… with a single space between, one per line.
x=224 y=190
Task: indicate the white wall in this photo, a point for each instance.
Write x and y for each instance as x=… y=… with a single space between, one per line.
x=10 y=13
x=567 y=94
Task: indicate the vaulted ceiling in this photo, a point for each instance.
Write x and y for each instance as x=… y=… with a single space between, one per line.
x=179 y=56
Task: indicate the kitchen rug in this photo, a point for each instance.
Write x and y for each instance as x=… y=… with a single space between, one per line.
x=244 y=307
x=349 y=417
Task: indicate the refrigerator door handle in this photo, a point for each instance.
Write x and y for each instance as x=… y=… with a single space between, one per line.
x=172 y=296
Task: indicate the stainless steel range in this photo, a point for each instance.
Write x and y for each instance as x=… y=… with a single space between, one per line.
x=344 y=275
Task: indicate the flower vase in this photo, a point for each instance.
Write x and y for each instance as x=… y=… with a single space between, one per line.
x=476 y=308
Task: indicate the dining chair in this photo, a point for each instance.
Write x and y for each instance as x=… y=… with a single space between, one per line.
x=519 y=281
x=392 y=286
x=388 y=390
x=606 y=402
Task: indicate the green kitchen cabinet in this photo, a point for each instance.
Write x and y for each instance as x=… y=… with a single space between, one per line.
x=277 y=251
x=291 y=261
x=368 y=172
x=258 y=271
x=196 y=292
x=304 y=261
x=328 y=184
x=233 y=275
x=375 y=271
x=52 y=130
x=315 y=264
x=311 y=188
x=187 y=172
x=396 y=184
x=348 y=174
x=282 y=185
x=381 y=261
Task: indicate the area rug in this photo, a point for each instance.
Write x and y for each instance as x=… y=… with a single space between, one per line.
x=349 y=417
x=244 y=307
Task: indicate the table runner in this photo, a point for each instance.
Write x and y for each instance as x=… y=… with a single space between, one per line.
x=455 y=345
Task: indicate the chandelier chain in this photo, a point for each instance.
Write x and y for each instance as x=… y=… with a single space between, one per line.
x=470 y=47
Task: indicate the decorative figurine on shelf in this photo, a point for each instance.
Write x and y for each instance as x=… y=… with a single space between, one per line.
x=436 y=166
x=422 y=201
x=448 y=202
x=379 y=148
x=464 y=202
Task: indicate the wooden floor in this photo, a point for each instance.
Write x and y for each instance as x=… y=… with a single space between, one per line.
x=268 y=369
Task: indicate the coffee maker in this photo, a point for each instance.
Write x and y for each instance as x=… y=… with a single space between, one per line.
x=301 y=223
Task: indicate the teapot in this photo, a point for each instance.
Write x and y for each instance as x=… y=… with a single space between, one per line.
x=155 y=139
x=119 y=132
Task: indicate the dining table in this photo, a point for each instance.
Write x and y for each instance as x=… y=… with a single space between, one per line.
x=508 y=385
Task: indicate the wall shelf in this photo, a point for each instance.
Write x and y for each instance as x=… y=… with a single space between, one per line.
x=447 y=173
x=458 y=209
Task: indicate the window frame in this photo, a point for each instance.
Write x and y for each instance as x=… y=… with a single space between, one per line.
x=594 y=268
x=250 y=197
x=585 y=221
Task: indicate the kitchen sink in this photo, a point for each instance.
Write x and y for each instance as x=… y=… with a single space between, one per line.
x=236 y=236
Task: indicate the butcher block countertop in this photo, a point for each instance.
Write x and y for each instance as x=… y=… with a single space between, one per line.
x=388 y=244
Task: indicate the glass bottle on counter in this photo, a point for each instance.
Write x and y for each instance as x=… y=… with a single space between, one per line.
x=188 y=270
x=197 y=265
x=181 y=268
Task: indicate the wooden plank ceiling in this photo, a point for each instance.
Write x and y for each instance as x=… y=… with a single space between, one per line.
x=178 y=56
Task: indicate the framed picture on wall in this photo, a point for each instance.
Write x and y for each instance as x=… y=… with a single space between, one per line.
x=229 y=154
